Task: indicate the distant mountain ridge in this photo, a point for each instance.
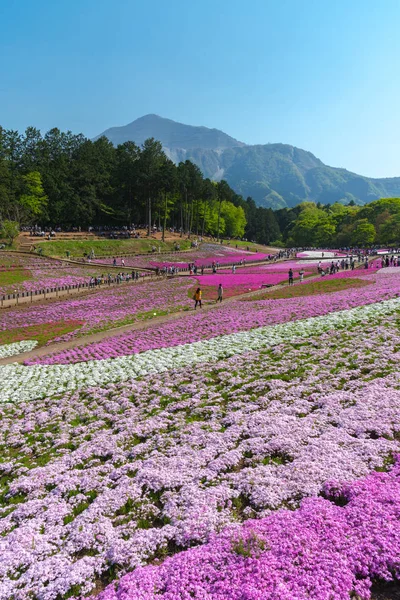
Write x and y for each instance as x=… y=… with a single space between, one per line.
x=274 y=175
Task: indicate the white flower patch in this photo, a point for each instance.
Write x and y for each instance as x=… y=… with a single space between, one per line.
x=17 y=348
x=320 y=254
x=38 y=381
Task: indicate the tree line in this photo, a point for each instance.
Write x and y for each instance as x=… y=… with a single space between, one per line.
x=64 y=180
x=338 y=225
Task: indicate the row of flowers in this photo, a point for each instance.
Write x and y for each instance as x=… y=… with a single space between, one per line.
x=224 y=259
x=100 y=481
x=246 y=280
x=16 y=348
x=205 y=255
x=106 y=307
x=233 y=317
x=38 y=273
x=38 y=380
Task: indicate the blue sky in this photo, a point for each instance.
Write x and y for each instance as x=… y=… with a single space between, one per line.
x=321 y=75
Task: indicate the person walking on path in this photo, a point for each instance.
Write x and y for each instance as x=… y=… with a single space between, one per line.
x=301 y=273
x=197 y=298
x=220 y=293
x=290 y=277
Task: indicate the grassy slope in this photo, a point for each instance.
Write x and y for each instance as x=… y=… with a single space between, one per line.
x=135 y=246
x=312 y=288
x=252 y=246
x=14 y=276
x=106 y=247
x=43 y=333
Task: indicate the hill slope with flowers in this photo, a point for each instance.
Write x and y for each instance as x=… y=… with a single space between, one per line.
x=250 y=451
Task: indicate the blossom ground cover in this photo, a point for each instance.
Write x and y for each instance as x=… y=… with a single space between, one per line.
x=218 y=257
x=106 y=307
x=39 y=380
x=296 y=265
x=99 y=481
x=238 y=316
x=16 y=348
x=319 y=551
x=245 y=279
x=251 y=278
x=28 y=273
x=205 y=255
x=250 y=451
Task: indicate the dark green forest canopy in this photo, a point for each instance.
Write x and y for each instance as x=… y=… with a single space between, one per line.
x=64 y=180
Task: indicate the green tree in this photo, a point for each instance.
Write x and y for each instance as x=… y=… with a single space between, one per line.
x=12 y=153
x=126 y=181
x=4 y=179
x=168 y=178
x=390 y=230
x=9 y=230
x=224 y=192
x=208 y=194
x=33 y=200
x=190 y=185
x=363 y=233
x=234 y=218
x=313 y=227
x=150 y=161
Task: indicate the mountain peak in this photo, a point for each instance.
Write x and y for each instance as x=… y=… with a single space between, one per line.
x=171 y=134
x=150 y=117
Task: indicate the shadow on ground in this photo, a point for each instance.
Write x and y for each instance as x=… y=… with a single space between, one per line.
x=386 y=591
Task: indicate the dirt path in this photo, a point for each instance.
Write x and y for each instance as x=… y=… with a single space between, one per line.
x=138 y=326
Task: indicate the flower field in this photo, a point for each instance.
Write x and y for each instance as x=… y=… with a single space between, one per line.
x=288 y=555
x=205 y=255
x=108 y=307
x=28 y=273
x=250 y=451
x=246 y=279
x=236 y=316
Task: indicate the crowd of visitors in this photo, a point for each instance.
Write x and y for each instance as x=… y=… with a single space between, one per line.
x=112 y=278
x=350 y=261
